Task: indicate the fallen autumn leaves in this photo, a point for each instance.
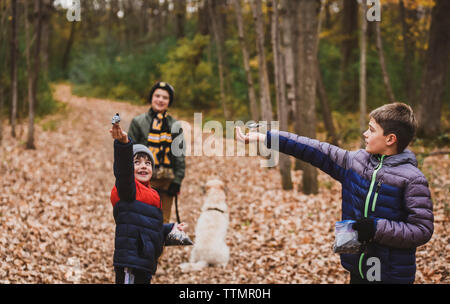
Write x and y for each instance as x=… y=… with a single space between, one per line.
x=57 y=224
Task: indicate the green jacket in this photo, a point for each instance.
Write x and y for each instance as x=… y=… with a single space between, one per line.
x=138 y=132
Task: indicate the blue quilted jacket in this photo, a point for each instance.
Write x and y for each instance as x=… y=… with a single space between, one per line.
x=389 y=189
x=140 y=232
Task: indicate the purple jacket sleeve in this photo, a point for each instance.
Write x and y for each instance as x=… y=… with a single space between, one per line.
x=418 y=226
x=330 y=159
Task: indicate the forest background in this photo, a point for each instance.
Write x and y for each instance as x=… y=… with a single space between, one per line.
x=316 y=66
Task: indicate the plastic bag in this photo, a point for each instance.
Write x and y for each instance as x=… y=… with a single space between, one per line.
x=177 y=237
x=346 y=238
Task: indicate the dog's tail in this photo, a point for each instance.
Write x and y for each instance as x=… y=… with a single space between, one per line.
x=188 y=267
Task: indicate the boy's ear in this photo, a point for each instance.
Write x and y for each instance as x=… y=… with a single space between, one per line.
x=391 y=139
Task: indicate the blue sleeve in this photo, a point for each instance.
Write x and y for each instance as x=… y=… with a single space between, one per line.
x=328 y=158
x=124 y=170
x=167 y=228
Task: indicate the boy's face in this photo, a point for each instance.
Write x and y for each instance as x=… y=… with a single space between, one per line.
x=142 y=170
x=160 y=100
x=376 y=141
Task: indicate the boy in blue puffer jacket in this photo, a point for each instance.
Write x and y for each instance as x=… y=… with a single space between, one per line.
x=140 y=232
x=382 y=190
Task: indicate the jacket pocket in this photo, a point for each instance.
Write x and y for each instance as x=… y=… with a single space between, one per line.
x=145 y=246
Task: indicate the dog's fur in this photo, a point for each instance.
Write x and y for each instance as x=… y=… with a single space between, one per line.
x=211 y=229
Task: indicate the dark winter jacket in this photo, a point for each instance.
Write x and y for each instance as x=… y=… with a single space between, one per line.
x=389 y=189
x=140 y=232
x=139 y=132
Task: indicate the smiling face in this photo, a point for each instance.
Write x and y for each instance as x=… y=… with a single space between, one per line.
x=142 y=169
x=377 y=142
x=160 y=100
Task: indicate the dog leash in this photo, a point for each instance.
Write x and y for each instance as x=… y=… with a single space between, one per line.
x=176 y=208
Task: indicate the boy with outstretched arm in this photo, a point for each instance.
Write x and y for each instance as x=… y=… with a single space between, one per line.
x=382 y=190
x=140 y=232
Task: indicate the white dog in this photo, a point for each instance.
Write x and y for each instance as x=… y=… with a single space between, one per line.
x=210 y=247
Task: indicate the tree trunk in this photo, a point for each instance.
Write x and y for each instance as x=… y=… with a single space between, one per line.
x=14 y=67
x=348 y=86
x=409 y=45
x=325 y=107
x=66 y=56
x=33 y=72
x=215 y=28
x=306 y=106
x=287 y=14
x=1 y=116
x=362 y=74
x=203 y=18
x=180 y=17
x=280 y=88
x=435 y=71
x=3 y=39
x=299 y=73
x=266 y=105
x=321 y=91
x=46 y=19
x=386 y=80
x=245 y=56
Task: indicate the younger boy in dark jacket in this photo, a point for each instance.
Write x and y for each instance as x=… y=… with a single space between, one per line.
x=382 y=190
x=140 y=232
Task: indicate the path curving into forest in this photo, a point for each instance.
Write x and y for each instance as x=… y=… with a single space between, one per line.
x=57 y=224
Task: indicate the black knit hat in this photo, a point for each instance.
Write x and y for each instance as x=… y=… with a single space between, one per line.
x=164 y=86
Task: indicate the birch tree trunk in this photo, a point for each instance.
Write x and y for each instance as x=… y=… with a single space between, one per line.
x=254 y=112
x=217 y=38
x=386 y=80
x=266 y=105
x=362 y=74
x=280 y=88
x=435 y=71
x=14 y=67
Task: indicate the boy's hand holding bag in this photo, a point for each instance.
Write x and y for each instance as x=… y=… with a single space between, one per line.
x=352 y=236
x=177 y=236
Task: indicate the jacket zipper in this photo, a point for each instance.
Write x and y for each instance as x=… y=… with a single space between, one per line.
x=360 y=265
x=372 y=183
x=376 y=196
x=366 y=207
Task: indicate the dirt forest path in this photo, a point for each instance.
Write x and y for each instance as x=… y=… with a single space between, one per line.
x=57 y=224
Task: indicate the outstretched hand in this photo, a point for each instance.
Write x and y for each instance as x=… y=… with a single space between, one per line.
x=119 y=134
x=181 y=226
x=250 y=137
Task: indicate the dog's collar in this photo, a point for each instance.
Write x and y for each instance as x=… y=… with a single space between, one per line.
x=215 y=209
